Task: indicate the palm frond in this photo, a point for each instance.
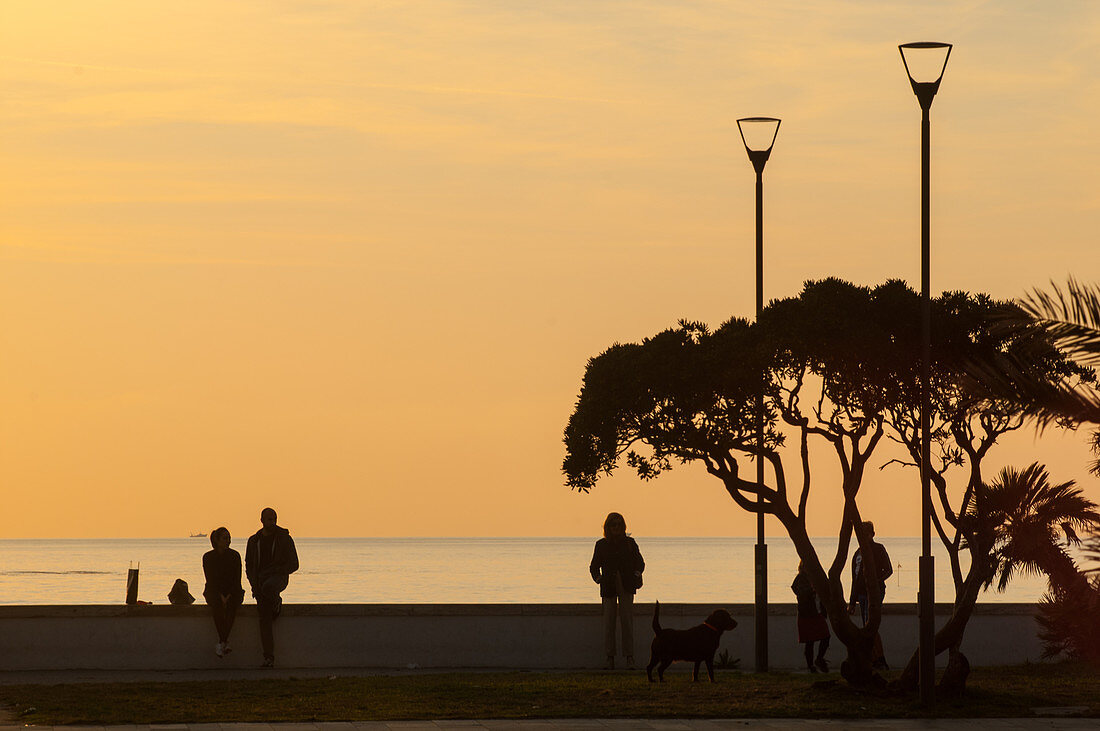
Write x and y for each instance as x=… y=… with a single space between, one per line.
x=1094 y=444
x=1092 y=552
x=1006 y=380
x=1067 y=318
x=1070 y=316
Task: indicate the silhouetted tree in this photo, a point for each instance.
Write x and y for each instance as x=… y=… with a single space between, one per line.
x=964 y=429
x=839 y=364
x=827 y=363
x=1070 y=317
x=1031 y=516
x=1068 y=613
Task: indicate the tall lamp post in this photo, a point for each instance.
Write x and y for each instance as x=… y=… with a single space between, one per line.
x=758 y=134
x=924 y=63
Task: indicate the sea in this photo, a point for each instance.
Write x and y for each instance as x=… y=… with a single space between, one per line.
x=445 y=570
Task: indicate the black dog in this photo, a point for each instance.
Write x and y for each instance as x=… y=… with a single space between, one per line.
x=697 y=644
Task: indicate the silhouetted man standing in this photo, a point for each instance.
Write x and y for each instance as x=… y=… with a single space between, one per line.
x=867 y=589
x=270 y=559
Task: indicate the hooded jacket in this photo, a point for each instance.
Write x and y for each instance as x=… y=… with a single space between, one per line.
x=282 y=560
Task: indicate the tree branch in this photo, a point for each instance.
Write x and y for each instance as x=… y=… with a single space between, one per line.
x=900 y=462
x=804 y=450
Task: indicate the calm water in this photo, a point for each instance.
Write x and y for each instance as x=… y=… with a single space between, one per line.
x=444 y=570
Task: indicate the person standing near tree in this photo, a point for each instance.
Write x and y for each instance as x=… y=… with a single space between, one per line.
x=617 y=567
x=270 y=559
x=812 y=623
x=866 y=589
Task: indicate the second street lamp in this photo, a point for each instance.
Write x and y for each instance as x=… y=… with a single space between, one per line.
x=924 y=64
x=758 y=134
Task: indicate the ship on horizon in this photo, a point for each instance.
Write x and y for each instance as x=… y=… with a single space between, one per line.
x=198 y=535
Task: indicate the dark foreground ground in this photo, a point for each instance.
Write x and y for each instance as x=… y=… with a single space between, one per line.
x=1014 y=692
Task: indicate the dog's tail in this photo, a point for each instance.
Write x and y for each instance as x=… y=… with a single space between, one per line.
x=657 y=618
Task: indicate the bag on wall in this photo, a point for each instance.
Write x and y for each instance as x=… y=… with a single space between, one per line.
x=179 y=593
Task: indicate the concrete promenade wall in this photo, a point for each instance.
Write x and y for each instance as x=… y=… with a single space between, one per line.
x=532 y=636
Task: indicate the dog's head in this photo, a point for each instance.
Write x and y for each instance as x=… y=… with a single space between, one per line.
x=721 y=619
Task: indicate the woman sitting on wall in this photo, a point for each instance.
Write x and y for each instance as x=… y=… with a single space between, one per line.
x=223 y=591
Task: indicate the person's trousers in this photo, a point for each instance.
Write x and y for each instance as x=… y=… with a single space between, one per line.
x=268 y=603
x=864 y=602
x=225 y=613
x=822 y=647
x=877 y=652
x=625 y=602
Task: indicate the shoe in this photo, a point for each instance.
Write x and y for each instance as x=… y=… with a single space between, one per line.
x=219 y=649
x=811 y=668
x=630 y=662
x=822 y=664
x=610 y=664
x=269 y=661
x=226 y=648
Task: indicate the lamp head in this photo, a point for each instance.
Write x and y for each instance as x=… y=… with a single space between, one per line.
x=758 y=134
x=925 y=62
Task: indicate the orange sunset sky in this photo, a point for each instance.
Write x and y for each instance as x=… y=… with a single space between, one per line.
x=349 y=258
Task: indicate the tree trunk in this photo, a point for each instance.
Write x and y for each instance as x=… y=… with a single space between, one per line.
x=950 y=635
x=953 y=682
x=856 y=669
x=859 y=641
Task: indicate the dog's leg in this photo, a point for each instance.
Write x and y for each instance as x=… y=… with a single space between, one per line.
x=649 y=668
x=661 y=669
x=710 y=668
x=695 y=671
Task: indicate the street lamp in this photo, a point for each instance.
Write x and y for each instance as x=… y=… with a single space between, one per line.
x=758 y=134
x=924 y=64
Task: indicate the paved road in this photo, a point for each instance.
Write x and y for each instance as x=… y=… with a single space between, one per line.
x=1037 y=724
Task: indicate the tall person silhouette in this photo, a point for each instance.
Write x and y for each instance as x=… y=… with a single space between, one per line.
x=269 y=560
x=867 y=589
x=617 y=567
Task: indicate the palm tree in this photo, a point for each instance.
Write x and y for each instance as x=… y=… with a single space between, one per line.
x=1067 y=622
x=1069 y=318
x=1028 y=517
x=1068 y=619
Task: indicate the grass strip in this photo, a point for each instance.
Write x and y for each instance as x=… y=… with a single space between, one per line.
x=993 y=692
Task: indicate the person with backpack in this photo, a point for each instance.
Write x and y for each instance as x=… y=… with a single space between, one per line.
x=617 y=567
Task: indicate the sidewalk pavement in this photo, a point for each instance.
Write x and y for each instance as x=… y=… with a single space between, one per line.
x=786 y=724
x=64 y=677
